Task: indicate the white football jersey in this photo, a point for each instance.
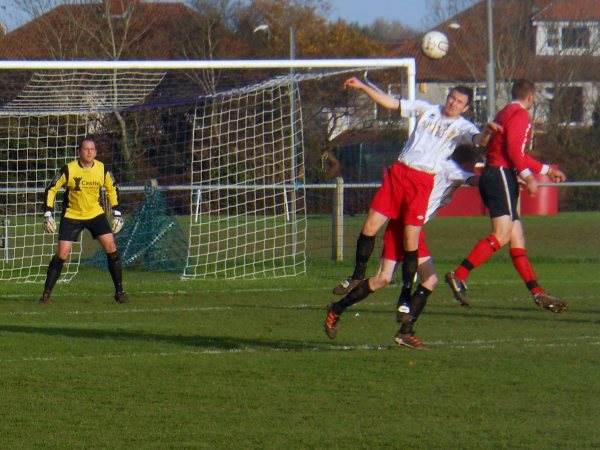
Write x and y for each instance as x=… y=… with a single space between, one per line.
x=434 y=137
x=446 y=182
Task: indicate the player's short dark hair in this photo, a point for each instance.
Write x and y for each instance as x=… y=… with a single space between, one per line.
x=86 y=139
x=465 y=153
x=464 y=90
x=521 y=88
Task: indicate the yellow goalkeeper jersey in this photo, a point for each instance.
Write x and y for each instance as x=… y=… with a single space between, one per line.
x=82 y=190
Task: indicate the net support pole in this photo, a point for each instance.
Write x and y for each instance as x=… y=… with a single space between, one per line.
x=197 y=205
x=4 y=239
x=337 y=241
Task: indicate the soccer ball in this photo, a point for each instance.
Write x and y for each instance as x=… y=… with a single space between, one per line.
x=435 y=45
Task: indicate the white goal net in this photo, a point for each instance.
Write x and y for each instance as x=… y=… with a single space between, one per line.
x=211 y=174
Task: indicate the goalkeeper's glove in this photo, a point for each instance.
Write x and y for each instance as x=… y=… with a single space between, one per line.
x=116 y=224
x=49 y=223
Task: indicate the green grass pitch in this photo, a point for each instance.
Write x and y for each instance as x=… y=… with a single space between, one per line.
x=245 y=364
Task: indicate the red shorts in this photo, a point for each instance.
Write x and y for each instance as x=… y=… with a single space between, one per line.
x=393 y=247
x=404 y=194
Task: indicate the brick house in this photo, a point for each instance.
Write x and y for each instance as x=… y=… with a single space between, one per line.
x=555 y=43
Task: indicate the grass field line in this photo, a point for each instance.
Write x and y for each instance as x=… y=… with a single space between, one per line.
x=325 y=290
x=476 y=344
x=120 y=311
x=182 y=292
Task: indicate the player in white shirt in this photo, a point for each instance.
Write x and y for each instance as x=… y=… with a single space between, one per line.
x=454 y=172
x=437 y=132
x=404 y=192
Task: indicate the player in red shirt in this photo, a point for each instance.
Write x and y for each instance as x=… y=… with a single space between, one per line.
x=506 y=163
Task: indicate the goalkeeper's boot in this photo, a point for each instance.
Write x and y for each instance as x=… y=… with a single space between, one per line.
x=409 y=340
x=550 y=303
x=331 y=322
x=459 y=288
x=45 y=298
x=346 y=286
x=121 y=297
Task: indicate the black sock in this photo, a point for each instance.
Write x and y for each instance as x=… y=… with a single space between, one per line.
x=409 y=270
x=364 y=247
x=415 y=306
x=404 y=297
x=357 y=294
x=418 y=301
x=115 y=269
x=54 y=270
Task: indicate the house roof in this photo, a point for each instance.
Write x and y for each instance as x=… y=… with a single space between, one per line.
x=514 y=43
x=583 y=10
x=155 y=33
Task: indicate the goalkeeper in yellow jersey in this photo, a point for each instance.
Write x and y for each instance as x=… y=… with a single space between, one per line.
x=83 y=180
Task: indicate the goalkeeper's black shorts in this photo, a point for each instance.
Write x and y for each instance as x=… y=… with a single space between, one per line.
x=70 y=229
x=499 y=191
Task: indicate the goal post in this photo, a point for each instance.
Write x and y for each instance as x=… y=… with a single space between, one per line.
x=228 y=154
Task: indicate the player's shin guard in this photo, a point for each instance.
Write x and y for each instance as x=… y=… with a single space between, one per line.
x=525 y=269
x=115 y=269
x=482 y=251
x=54 y=271
x=357 y=294
x=364 y=247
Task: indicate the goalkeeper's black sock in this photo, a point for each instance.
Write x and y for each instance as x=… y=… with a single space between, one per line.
x=54 y=270
x=115 y=269
x=360 y=292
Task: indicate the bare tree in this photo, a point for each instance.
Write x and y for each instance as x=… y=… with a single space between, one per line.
x=210 y=36
x=111 y=30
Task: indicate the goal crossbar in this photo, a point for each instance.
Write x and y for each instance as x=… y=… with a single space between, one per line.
x=408 y=63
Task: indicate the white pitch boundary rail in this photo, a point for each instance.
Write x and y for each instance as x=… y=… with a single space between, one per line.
x=337 y=222
x=185 y=187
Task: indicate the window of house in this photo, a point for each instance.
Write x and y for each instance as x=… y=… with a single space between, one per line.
x=575 y=37
x=566 y=104
x=553 y=38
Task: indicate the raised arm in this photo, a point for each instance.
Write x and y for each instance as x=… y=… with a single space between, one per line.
x=379 y=97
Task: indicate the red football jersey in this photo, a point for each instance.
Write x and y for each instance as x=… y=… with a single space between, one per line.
x=508 y=148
